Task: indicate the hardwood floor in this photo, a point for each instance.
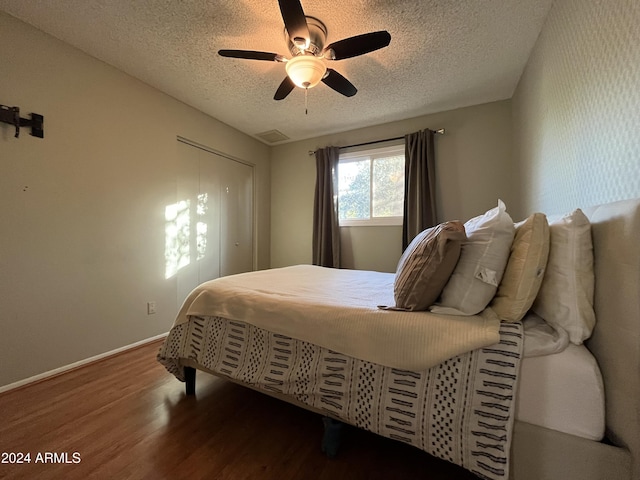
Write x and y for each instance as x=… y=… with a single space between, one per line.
x=126 y=417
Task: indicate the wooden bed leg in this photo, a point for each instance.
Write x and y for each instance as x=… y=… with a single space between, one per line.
x=332 y=436
x=190 y=380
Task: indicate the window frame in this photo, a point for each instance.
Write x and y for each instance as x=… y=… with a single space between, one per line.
x=355 y=154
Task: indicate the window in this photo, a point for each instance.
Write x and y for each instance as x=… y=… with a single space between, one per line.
x=371 y=186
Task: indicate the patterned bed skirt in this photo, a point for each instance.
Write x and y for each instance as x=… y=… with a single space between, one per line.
x=461 y=411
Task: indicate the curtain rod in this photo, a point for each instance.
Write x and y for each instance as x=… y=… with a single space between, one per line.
x=440 y=131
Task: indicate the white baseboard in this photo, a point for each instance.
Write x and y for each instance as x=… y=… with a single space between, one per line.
x=57 y=371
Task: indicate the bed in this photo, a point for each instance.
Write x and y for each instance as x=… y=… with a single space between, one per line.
x=470 y=388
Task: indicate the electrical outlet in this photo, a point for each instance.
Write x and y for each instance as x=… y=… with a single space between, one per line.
x=151 y=308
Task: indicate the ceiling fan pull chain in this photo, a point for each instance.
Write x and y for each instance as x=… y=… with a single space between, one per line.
x=306 y=93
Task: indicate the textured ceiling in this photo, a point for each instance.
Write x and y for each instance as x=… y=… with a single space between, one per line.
x=444 y=54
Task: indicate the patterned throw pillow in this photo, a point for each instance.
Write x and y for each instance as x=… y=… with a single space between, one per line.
x=426 y=265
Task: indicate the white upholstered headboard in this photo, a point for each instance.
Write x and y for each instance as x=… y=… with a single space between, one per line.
x=616 y=339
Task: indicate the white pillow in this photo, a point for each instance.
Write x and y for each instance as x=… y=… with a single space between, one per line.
x=483 y=259
x=565 y=299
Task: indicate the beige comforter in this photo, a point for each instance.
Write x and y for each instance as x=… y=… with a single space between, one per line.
x=338 y=310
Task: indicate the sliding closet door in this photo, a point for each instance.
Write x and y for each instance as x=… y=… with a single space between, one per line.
x=180 y=243
x=213 y=220
x=208 y=214
x=236 y=246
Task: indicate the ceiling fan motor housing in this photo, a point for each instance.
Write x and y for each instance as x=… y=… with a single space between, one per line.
x=317 y=37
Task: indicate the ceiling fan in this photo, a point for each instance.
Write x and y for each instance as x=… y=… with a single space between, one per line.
x=306 y=37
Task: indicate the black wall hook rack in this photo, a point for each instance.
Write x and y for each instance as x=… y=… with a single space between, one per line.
x=11 y=115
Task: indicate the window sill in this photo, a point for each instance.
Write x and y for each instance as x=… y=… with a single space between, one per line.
x=373 y=222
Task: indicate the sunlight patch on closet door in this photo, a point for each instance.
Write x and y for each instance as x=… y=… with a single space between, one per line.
x=202 y=227
x=177 y=252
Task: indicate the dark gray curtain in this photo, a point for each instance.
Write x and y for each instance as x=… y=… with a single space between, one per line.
x=419 y=185
x=326 y=234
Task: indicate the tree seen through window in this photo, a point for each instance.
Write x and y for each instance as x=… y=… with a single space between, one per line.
x=371 y=187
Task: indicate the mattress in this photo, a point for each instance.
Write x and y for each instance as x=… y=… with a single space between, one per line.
x=563 y=391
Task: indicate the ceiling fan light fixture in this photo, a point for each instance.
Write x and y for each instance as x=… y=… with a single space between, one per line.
x=306 y=71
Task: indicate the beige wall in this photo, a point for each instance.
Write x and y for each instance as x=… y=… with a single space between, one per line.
x=82 y=210
x=577 y=108
x=371 y=248
x=473 y=170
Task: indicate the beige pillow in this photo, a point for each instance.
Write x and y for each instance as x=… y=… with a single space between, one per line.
x=565 y=299
x=426 y=265
x=525 y=269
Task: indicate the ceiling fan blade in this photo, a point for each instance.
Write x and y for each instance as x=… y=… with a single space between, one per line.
x=284 y=89
x=358 y=45
x=252 y=55
x=339 y=83
x=295 y=22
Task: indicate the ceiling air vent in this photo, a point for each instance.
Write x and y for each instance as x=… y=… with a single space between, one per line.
x=272 y=136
